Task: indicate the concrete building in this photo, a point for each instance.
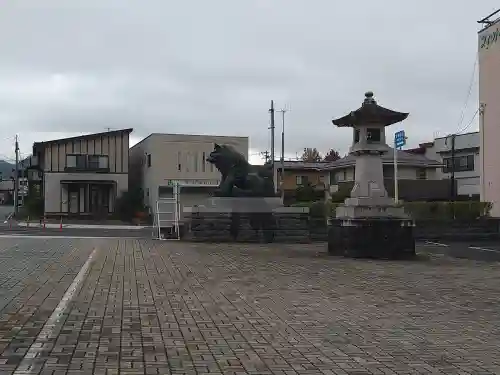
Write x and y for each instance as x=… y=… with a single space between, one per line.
x=82 y=176
x=489 y=109
x=160 y=160
x=467 y=161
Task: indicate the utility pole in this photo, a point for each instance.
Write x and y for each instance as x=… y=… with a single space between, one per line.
x=16 y=179
x=482 y=107
x=271 y=111
x=452 y=187
x=282 y=158
x=266 y=155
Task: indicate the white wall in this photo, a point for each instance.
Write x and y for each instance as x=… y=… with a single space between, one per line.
x=55 y=194
x=404 y=173
x=169 y=150
x=468 y=182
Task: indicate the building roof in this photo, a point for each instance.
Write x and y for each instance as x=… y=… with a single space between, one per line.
x=188 y=136
x=404 y=158
x=370 y=113
x=80 y=137
x=303 y=165
x=489 y=20
x=458 y=135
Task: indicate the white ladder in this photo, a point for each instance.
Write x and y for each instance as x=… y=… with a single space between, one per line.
x=167 y=215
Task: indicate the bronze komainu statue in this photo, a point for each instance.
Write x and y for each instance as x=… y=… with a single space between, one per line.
x=240 y=179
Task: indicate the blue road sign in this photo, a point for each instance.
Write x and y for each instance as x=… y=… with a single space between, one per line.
x=399 y=139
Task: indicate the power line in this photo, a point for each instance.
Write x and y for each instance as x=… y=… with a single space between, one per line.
x=470 y=122
x=469 y=92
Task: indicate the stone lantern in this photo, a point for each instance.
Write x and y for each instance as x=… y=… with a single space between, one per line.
x=369 y=223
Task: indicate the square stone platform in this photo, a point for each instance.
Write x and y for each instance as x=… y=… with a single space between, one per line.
x=372 y=237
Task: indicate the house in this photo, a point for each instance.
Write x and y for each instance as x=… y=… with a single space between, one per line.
x=82 y=176
x=466 y=159
x=161 y=160
x=418 y=176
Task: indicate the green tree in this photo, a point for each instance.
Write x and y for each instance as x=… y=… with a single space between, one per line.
x=311 y=155
x=332 y=155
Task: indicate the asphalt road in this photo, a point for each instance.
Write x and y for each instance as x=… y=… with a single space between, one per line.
x=478 y=250
x=6 y=230
x=473 y=250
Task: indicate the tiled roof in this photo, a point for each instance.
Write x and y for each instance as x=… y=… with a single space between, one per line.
x=404 y=158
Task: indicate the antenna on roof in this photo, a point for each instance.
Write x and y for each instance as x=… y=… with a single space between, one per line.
x=487 y=20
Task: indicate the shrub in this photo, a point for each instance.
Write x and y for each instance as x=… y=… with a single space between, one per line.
x=448 y=210
x=129 y=204
x=421 y=210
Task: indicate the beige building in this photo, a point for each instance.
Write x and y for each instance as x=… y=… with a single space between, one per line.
x=160 y=160
x=83 y=176
x=489 y=109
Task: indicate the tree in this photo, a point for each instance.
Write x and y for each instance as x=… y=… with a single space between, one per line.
x=332 y=155
x=311 y=155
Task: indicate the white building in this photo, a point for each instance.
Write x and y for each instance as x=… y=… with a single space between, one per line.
x=467 y=165
x=160 y=160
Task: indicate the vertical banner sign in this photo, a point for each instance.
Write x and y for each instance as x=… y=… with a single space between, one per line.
x=399 y=141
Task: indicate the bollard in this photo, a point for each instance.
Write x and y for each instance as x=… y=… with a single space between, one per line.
x=28 y=223
x=60 y=225
x=44 y=222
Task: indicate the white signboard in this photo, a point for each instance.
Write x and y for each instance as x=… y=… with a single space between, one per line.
x=193 y=182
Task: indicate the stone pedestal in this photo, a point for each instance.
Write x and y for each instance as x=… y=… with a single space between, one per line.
x=240 y=221
x=371 y=228
x=375 y=237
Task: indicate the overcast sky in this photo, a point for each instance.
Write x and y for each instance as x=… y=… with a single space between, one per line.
x=212 y=67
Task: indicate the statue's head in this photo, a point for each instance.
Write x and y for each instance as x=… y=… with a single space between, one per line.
x=224 y=157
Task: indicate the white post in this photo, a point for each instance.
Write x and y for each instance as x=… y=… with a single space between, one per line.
x=396 y=192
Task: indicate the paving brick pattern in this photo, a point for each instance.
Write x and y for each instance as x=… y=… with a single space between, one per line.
x=151 y=307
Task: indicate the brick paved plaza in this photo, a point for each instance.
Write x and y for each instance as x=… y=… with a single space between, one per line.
x=147 y=307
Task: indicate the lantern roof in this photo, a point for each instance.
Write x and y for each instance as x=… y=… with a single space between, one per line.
x=370 y=113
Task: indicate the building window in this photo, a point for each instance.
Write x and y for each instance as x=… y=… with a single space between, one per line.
x=462 y=164
x=356 y=135
x=188 y=161
x=373 y=135
x=340 y=176
x=195 y=161
x=333 y=178
x=301 y=180
x=76 y=161
x=421 y=174
x=388 y=171
x=203 y=162
x=97 y=162
x=149 y=160
x=179 y=161
x=92 y=162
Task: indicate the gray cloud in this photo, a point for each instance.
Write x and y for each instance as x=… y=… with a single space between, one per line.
x=213 y=67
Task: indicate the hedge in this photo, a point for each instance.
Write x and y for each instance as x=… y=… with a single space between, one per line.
x=417 y=210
